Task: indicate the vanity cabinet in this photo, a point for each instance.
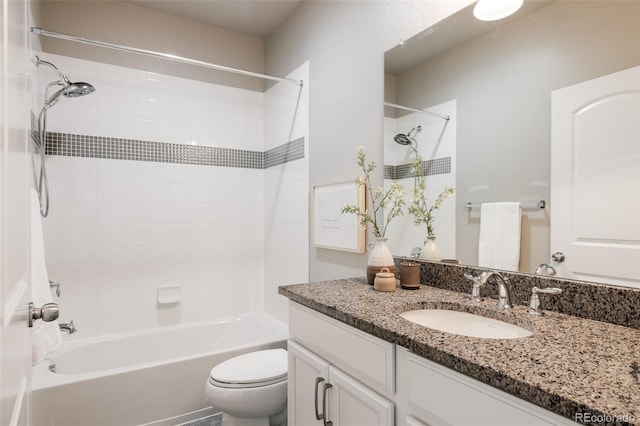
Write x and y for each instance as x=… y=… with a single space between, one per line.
x=321 y=352
x=439 y=396
x=375 y=383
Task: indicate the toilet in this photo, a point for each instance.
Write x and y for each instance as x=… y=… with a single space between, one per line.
x=250 y=389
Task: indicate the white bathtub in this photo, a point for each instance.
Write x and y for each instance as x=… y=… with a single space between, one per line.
x=144 y=378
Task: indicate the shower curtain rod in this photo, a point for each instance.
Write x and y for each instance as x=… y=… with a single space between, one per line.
x=444 y=117
x=168 y=56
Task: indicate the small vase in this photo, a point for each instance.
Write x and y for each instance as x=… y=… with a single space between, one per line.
x=379 y=257
x=431 y=250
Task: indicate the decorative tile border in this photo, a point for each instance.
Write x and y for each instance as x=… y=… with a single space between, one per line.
x=73 y=145
x=437 y=166
x=291 y=151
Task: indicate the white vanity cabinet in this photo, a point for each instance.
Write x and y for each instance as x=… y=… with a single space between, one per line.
x=320 y=351
x=439 y=396
x=376 y=383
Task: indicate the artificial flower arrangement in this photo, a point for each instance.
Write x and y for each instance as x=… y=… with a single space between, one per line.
x=418 y=207
x=391 y=199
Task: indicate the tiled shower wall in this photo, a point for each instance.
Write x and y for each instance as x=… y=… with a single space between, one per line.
x=133 y=220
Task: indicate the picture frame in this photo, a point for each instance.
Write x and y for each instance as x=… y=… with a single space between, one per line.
x=331 y=228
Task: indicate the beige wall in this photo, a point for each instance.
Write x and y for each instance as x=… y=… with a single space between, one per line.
x=131 y=25
x=345 y=42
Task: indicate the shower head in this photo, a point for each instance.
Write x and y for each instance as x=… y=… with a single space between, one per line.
x=77 y=89
x=408 y=139
x=402 y=139
x=69 y=89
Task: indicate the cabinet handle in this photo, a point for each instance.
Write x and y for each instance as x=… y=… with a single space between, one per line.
x=327 y=386
x=315 y=399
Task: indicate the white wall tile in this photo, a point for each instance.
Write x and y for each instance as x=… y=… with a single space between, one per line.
x=82 y=168
x=108 y=191
x=134 y=171
x=119 y=229
x=134 y=213
x=82 y=191
x=109 y=169
x=57 y=167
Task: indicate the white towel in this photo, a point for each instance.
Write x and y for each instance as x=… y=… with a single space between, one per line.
x=45 y=336
x=499 y=243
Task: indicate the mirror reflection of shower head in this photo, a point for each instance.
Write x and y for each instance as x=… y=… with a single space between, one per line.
x=409 y=138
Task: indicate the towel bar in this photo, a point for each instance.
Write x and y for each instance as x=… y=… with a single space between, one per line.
x=526 y=206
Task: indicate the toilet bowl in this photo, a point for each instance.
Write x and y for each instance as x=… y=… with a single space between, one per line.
x=250 y=389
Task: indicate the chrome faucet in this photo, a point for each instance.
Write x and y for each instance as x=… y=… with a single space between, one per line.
x=504 y=287
x=69 y=327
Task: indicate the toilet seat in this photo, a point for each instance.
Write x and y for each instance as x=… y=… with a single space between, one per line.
x=251 y=370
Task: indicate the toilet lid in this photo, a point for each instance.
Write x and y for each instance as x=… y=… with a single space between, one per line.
x=252 y=369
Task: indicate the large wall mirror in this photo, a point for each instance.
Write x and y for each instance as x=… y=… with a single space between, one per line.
x=495 y=82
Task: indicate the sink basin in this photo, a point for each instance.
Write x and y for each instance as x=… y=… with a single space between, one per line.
x=465 y=324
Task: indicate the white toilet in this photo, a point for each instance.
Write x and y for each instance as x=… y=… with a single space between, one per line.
x=250 y=389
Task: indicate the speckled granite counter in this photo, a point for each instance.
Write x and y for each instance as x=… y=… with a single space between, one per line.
x=570 y=365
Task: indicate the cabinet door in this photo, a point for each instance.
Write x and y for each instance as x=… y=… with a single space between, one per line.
x=304 y=391
x=353 y=404
x=441 y=396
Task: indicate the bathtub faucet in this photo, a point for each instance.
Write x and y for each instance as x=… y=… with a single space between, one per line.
x=69 y=327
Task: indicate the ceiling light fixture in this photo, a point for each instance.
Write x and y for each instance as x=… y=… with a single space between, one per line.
x=492 y=10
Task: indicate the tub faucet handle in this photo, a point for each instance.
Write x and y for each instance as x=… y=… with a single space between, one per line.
x=69 y=327
x=56 y=285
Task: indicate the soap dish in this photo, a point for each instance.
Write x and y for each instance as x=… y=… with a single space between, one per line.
x=168 y=295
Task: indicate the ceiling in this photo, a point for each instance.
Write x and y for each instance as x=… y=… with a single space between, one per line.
x=258 y=18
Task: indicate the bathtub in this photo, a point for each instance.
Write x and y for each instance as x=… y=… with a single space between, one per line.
x=152 y=377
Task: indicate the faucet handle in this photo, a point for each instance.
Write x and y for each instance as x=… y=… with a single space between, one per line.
x=548 y=290
x=477 y=283
x=474 y=278
x=534 y=304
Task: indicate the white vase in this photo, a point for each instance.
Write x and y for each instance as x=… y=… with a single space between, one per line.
x=431 y=250
x=379 y=257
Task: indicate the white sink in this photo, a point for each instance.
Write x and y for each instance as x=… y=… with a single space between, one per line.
x=465 y=324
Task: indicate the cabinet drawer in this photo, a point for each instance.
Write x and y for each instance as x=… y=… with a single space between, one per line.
x=441 y=396
x=367 y=358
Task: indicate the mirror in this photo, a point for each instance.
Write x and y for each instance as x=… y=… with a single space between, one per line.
x=495 y=81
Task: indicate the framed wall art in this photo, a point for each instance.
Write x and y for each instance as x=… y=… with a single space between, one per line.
x=331 y=228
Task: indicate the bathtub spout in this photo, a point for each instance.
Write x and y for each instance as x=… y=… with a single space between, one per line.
x=69 y=327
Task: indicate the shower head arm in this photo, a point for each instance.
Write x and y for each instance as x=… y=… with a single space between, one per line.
x=414 y=132
x=64 y=80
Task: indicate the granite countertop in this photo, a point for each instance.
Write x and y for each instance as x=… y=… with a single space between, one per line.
x=570 y=365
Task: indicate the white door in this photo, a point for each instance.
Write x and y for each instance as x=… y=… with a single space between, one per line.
x=308 y=375
x=15 y=291
x=595 y=179
x=353 y=404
